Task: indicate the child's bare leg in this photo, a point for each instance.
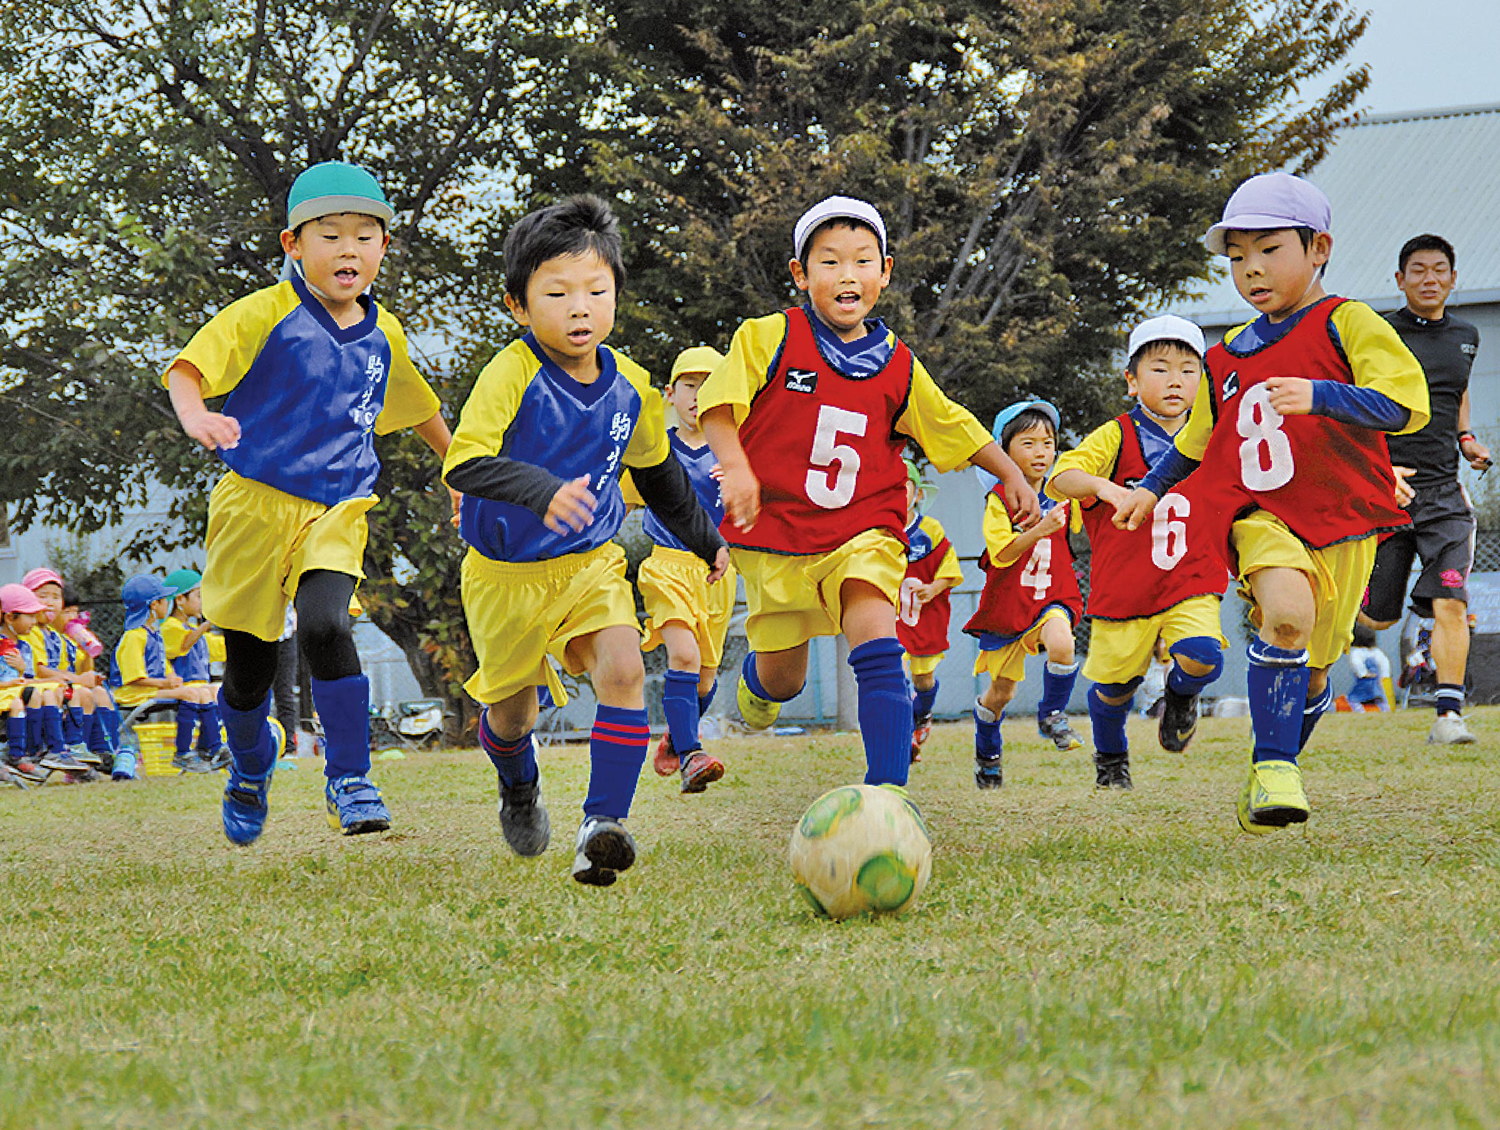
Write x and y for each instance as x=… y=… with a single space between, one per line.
x=781 y=673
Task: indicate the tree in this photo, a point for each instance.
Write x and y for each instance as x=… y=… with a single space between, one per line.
x=145 y=155
x=1045 y=167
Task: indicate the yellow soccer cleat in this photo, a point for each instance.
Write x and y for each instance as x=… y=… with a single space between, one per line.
x=1272 y=797
x=758 y=713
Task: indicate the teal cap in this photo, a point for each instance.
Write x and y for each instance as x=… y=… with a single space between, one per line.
x=335 y=186
x=183 y=581
x=1007 y=414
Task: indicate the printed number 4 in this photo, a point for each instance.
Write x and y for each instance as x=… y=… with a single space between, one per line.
x=1266 y=455
x=826 y=487
x=1037 y=576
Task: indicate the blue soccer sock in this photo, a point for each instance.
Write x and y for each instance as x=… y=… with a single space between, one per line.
x=922 y=703
x=209 y=738
x=885 y=720
x=344 y=707
x=679 y=702
x=1108 y=722
x=52 y=732
x=187 y=722
x=707 y=700
x=617 y=750
x=35 y=742
x=74 y=725
x=1057 y=687
x=1277 y=682
x=249 y=734
x=514 y=761
x=109 y=717
x=1315 y=709
x=15 y=735
x=95 y=734
x=1449 y=698
x=988 y=744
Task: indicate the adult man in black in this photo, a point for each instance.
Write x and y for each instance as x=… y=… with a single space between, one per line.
x=1442 y=529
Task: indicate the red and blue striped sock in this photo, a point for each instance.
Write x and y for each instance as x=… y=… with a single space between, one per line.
x=514 y=761
x=617 y=750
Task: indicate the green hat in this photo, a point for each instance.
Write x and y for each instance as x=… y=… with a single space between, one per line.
x=183 y=581
x=335 y=186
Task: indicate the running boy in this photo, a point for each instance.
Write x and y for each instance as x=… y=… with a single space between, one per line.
x=314 y=370
x=683 y=610
x=1159 y=583
x=1295 y=472
x=809 y=416
x=184 y=633
x=1030 y=600
x=538 y=453
x=922 y=617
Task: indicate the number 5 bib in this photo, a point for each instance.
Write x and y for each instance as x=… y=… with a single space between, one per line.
x=825 y=450
x=1328 y=481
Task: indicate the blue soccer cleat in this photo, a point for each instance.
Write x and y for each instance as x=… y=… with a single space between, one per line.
x=355 y=806
x=246 y=798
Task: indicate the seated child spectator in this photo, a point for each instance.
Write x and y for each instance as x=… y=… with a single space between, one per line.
x=33 y=707
x=1030 y=600
x=91 y=726
x=185 y=634
x=1372 y=671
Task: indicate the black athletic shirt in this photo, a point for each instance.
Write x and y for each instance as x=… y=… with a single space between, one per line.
x=1446 y=350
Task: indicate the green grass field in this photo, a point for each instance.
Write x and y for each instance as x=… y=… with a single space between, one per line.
x=1079 y=959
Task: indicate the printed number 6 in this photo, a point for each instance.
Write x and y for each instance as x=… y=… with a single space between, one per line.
x=908 y=613
x=1169 y=531
x=832 y=492
x=1260 y=425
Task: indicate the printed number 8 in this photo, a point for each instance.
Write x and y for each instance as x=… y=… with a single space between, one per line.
x=835 y=491
x=1260 y=425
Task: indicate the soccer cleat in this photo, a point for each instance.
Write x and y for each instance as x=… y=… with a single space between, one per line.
x=921 y=731
x=27 y=769
x=604 y=849
x=64 y=761
x=191 y=762
x=1450 y=729
x=216 y=758
x=1272 y=797
x=247 y=799
x=523 y=818
x=1242 y=809
x=1119 y=776
x=1055 y=726
x=1112 y=771
x=665 y=761
x=1179 y=721
x=699 y=770
x=355 y=806
x=85 y=755
x=758 y=713
x=987 y=773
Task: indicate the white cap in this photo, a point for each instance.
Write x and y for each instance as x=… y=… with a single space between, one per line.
x=836 y=208
x=1167 y=327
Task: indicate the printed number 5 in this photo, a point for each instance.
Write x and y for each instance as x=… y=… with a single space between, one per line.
x=834 y=491
x=1169 y=531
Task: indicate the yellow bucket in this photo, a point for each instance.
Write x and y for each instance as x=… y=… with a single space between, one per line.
x=158 y=744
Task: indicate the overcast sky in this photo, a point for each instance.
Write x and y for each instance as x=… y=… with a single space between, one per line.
x=1424 y=54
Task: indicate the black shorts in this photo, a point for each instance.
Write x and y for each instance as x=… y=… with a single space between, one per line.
x=1445 y=543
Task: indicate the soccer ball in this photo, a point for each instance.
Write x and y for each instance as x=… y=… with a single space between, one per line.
x=859 y=849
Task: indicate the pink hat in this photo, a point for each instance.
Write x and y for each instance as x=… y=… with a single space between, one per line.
x=39 y=577
x=19 y=598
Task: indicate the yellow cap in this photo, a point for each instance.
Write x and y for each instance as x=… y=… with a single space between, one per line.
x=698 y=359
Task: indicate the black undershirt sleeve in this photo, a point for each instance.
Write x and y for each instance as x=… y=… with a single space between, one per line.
x=506 y=480
x=667 y=489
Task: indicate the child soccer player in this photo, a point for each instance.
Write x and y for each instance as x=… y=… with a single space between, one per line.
x=33 y=705
x=1030 y=599
x=538 y=453
x=187 y=651
x=683 y=610
x=922 y=618
x=809 y=416
x=314 y=369
x=1161 y=583
x=1294 y=468
x=91 y=726
x=1372 y=672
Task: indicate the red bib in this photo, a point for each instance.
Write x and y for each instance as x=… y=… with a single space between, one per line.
x=1015 y=596
x=923 y=631
x=1328 y=481
x=825 y=450
x=1175 y=556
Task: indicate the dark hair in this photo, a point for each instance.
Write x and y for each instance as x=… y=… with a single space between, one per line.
x=835 y=222
x=1364 y=635
x=70 y=597
x=1427 y=242
x=1024 y=421
x=574 y=226
x=1160 y=345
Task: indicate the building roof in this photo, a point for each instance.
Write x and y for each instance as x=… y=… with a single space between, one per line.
x=1390 y=177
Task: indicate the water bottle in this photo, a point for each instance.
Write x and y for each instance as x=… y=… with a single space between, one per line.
x=77 y=630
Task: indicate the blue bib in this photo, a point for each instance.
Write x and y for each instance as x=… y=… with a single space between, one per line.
x=698 y=462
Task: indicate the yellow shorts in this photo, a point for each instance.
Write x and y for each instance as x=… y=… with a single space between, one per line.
x=1339 y=576
x=521 y=613
x=794 y=597
x=12 y=691
x=1009 y=662
x=674 y=585
x=260 y=542
x=924 y=664
x=1121 y=650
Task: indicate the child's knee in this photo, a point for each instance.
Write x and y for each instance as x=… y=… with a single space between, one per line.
x=512 y=718
x=924 y=682
x=618 y=671
x=998 y=695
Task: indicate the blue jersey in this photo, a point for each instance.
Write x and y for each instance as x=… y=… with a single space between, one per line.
x=524 y=407
x=153 y=656
x=698 y=461
x=309 y=395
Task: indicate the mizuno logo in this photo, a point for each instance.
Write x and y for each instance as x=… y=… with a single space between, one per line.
x=801 y=380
